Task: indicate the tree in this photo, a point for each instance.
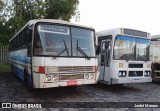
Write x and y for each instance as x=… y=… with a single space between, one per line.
x=6 y=32
x=1 y=9
x=18 y=12
x=61 y=9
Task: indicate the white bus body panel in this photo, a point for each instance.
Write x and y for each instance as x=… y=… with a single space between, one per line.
x=120 y=80
x=39 y=79
x=110 y=75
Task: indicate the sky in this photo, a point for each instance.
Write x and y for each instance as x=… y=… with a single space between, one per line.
x=143 y=15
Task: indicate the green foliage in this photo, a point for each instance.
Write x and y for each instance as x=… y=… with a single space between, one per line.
x=6 y=31
x=5 y=67
x=18 y=12
x=61 y=9
x=1 y=5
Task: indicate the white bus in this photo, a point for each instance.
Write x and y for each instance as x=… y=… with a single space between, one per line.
x=124 y=56
x=52 y=53
x=155 y=57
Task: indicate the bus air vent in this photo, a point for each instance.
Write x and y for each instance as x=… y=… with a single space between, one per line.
x=71 y=77
x=135 y=73
x=135 y=66
x=78 y=69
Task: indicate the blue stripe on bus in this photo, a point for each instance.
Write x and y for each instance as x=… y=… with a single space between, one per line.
x=20 y=59
x=127 y=38
x=139 y=40
x=20 y=73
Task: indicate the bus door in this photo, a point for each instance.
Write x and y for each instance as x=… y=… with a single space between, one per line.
x=105 y=61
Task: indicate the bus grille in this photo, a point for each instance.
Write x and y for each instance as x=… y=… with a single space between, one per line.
x=76 y=69
x=71 y=77
x=135 y=73
x=71 y=70
x=135 y=66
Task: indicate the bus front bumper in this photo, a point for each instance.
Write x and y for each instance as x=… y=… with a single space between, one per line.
x=66 y=83
x=130 y=80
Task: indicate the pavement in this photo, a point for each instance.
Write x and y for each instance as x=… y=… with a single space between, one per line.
x=13 y=90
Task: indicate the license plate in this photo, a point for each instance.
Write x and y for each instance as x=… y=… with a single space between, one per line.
x=72 y=83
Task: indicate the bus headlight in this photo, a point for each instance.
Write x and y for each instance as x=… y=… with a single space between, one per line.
x=147 y=73
x=91 y=76
x=48 y=78
x=86 y=76
x=55 y=78
x=122 y=73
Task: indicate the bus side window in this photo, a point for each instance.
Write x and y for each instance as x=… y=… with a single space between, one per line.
x=103 y=52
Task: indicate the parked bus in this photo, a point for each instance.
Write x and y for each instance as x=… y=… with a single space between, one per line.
x=155 y=57
x=52 y=53
x=124 y=56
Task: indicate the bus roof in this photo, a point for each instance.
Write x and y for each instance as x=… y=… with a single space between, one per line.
x=57 y=21
x=124 y=31
x=155 y=38
x=32 y=22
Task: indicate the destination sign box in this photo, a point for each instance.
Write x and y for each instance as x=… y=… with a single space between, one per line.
x=54 y=29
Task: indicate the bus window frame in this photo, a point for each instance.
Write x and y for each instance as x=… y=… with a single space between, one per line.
x=61 y=24
x=131 y=37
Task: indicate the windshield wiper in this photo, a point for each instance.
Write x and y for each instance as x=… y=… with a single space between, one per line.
x=66 y=49
x=81 y=51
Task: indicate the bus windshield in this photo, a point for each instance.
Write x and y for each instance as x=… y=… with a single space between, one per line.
x=56 y=40
x=130 y=48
